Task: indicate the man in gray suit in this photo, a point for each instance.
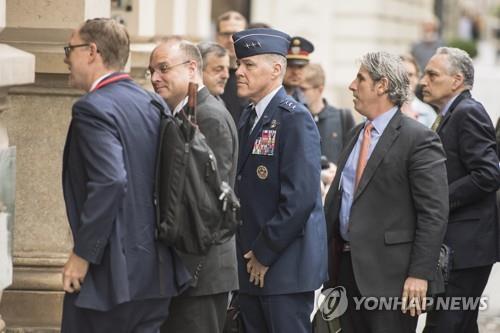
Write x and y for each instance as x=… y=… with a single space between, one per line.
x=202 y=308
x=387 y=208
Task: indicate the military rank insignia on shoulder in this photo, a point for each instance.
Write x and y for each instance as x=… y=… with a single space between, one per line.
x=288 y=104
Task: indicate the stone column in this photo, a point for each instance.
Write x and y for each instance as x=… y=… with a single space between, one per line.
x=37 y=120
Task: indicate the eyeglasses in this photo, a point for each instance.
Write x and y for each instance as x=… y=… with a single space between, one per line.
x=69 y=48
x=226 y=34
x=308 y=88
x=163 y=68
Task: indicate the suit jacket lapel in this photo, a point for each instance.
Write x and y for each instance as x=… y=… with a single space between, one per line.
x=385 y=142
x=246 y=144
x=344 y=155
x=463 y=95
x=202 y=95
x=332 y=200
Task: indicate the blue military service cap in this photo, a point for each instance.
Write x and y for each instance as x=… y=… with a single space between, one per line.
x=251 y=42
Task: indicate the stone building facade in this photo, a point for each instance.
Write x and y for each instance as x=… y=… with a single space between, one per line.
x=37 y=115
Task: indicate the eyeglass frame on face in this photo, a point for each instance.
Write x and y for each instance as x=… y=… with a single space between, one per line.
x=163 y=68
x=308 y=88
x=226 y=34
x=68 y=48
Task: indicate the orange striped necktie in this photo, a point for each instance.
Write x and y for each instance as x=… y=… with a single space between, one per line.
x=363 y=152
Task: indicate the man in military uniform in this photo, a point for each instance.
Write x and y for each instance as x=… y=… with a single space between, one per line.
x=281 y=245
x=297 y=58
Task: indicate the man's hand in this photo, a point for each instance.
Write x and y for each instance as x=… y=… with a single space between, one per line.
x=256 y=270
x=414 y=296
x=74 y=272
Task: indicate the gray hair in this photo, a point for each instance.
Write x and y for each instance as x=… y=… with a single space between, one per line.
x=187 y=49
x=459 y=62
x=385 y=65
x=279 y=59
x=207 y=48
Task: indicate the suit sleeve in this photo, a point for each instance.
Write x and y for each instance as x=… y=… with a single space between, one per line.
x=99 y=144
x=478 y=156
x=429 y=188
x=299 y=175
x=220 y=139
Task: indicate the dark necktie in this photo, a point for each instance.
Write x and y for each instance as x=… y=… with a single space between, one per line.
x=247 y=129
x=250 y=122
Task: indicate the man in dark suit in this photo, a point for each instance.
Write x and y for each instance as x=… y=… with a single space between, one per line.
x=117 y=278
x=227 y=24
x=202 y=308
x=387 y=207
x=468 y=138
x=282 y=242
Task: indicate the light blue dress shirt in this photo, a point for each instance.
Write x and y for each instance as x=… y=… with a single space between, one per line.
x=444 y=111
x=348 y=175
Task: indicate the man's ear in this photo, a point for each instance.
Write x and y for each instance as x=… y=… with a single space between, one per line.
x=382 y=86
x=193 y=67
x=93 y=52
x=458 y=81
x=276 y=69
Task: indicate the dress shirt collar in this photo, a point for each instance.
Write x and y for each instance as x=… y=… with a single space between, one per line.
x=447 y=106
x=261 y=106
x=179 y=106
x=96 y=82
x=381 y=122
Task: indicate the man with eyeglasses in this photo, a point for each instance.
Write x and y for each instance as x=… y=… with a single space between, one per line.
x=333 y=123
x=202 y=307
x=117 y=277
x=227 y=24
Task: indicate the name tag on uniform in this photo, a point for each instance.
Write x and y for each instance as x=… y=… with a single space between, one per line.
x=264 y=145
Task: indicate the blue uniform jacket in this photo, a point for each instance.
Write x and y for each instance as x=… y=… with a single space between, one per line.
x=108 y=177
x=278 y=182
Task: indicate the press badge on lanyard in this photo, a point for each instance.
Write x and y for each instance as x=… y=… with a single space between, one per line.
x=264 y=145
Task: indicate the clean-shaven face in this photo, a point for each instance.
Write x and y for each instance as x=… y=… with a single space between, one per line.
x=77 y=62
x=170 y=73
x=254 y=77
x=437 y=83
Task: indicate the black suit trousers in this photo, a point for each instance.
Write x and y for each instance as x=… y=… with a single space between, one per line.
x=469 y=282
x=144 y=316
x=368 y=321
x=197 y=314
